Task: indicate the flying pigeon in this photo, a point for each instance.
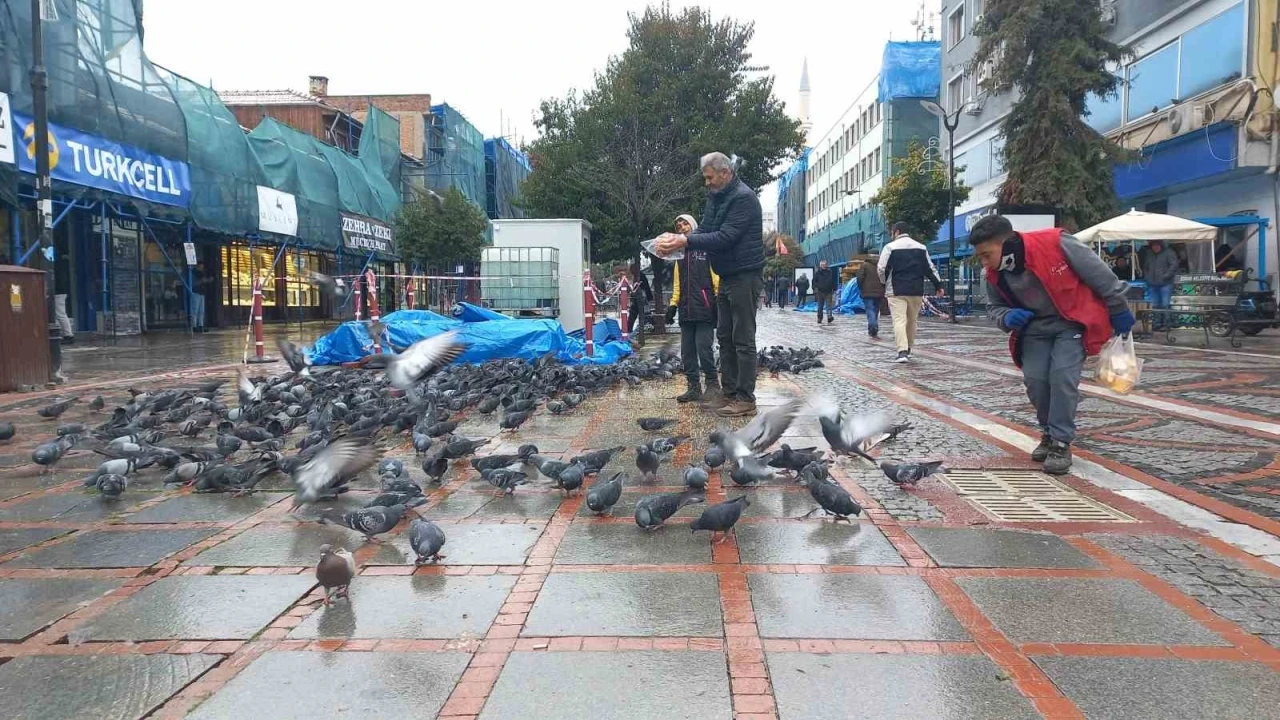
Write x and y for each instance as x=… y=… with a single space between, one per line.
x=335 y=571
x=336 y=287
x=654 y=510
x=848 y=433
x=423 y=358
x=604 y=495
x=763 y=431
x=721 y=517
x=909 y=474
x=249 y=392
x=332 y=466
x=426 y=538
x=298 y=358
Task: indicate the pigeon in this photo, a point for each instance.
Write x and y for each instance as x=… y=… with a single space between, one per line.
x=336 y=287
x=513 y=420
x=440 y=429
x=426 y=538
x=391 y=466
x=504 y=480
x=555 y=407
x=654 y=424
x=751 y=471
x=186 y=472
x=604 y=495
x=831 y=498
x=794 y=460
x=721 y=517
x=227 y=444
x=409 y=499
x=647 y=461
x=595 y=460
x=48 y=454
x=763 y=431
x=7 y=431
x=331 y=467
x=119 y=466
x=52 y=411
x=435 y=464
x=424 y=358
x=97 y=404
x=909 y=474
x=654 y=510
x=334 y=572
x=550 y=468
x=111 y=486
x=248 y=392
x=488 y=405
x=695 y=478
x=493 y=462
x=571 y=478
x=663 y=446
x=462 y=447
x=370 y=520
x=845 y=433
x=298 y=358
x=65 y=429
x=714 y=457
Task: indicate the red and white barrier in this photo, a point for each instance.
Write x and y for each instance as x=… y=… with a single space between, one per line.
x=375 y=315
x=408 y=293
x=356 y=296
x=589 y=312
x=624 y=303
x=255 y=322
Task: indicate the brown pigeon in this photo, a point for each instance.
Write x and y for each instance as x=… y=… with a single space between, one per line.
x=334 y=571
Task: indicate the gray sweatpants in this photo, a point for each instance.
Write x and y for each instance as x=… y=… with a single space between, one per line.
x=1051 y=371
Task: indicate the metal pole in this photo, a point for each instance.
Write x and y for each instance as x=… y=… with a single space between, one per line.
x=44 y=187
x=191 y=289
x=951 y=211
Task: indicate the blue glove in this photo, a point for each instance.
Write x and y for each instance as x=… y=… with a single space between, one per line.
x=1017 y=318
x=1122 y=322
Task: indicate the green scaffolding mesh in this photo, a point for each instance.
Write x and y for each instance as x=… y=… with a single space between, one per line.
x=455 y=154
x=380 y=156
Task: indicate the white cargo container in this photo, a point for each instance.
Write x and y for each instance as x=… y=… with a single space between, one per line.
x=572 y=238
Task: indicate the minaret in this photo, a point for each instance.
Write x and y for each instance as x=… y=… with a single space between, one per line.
x=805 y=123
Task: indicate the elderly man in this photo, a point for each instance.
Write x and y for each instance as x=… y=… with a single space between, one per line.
x=730 y=232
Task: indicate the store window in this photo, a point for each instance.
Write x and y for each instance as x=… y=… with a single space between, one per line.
x=240 y=264
x=299 y=290
x=1211 y=53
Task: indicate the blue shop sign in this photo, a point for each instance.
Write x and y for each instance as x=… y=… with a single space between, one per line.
x=82 y=159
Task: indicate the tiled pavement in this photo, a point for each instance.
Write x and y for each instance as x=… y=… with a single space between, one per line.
x=174 y=605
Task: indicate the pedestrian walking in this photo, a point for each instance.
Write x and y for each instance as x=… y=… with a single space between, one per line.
x=802 y=290
x=641 y=294
x=693 y=290
x=824 y=289
x=1060 y=303
x=783 y=289
x=872 y=289
x=904 y=266
x=730 y=234
x=1159 y=267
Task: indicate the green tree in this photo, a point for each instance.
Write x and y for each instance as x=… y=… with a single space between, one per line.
x=435 y=230
x=1055 y=53
x=917 y=193
x=776 y=263
x=623 y=154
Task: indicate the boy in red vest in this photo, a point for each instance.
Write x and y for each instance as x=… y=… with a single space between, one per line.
x=1060 y=303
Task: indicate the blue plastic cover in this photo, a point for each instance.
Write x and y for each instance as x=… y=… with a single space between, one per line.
x=910 y=70
x=790 y=174
x=849 y=301
x=466 y=312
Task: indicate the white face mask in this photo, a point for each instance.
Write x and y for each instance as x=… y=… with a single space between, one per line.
x=1008 y=262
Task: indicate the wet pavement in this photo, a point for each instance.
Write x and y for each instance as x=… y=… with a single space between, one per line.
x=171 y=604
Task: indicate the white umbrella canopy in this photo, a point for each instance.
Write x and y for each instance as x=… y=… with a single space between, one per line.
x=1142 y=226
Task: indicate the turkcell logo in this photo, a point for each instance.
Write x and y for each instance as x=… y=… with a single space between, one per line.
x=89 y=160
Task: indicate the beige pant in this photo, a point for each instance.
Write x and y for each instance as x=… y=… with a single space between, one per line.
x=905 y=312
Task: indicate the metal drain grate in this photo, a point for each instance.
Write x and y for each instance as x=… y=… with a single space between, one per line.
x=1027 y=496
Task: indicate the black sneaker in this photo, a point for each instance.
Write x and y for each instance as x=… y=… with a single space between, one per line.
x=830 y=320
x=693 y=394
x=1059 y=460
x=1042 y=450
x=903 y=356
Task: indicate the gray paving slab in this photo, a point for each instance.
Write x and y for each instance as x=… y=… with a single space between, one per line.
x=1170 y=689
x=627 y=603
x=310 y=685
x=69 y=507
x=73 y=687
x=206 y=507
x=858 y=607
x=29 y=604
x=589 y=543
x=624 y=685
x=112 y=548
x=286 y=544
x=416 y=606
x=837 y=686
x=470 y=544
x=11 y=486
x=1083 y=610
x=457 y=506
x=774 y=502
x=17 y=539
x=815 y=543
x=963 y=547
x=191 y=607
x=526 y=505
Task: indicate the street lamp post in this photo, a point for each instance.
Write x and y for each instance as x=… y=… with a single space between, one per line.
x=949 y=123
x=44 y=186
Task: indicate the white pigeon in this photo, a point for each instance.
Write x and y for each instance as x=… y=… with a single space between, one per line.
x=423 y=358
x=763 y=431
x=343 y=458
x=249 y=393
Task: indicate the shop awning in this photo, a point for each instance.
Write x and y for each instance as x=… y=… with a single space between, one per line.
x=1144 y=226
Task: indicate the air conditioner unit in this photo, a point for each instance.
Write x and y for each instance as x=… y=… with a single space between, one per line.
x=974 y=107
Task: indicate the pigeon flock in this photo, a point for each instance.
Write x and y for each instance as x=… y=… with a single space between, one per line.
x=324 y=427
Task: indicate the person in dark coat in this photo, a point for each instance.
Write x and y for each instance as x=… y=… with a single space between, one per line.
x=802 y=290
x=730 y=233
x=693 y=291
x=641 y=296
x=825 y=282
x=872 y=289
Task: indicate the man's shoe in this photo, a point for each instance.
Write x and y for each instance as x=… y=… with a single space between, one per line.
x=903 y=356
x=716 y=403
x=693 y=394
x=737 y=408
x=1059 y=460
x=1042 y=450
x=712 y=391
x=830 y=319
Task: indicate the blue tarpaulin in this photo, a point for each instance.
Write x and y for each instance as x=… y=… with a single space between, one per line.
x=466 y=312
x=848 y=300
x=910 y=70
x=525 y=339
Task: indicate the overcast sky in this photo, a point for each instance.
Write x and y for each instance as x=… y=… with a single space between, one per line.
x=497 y=59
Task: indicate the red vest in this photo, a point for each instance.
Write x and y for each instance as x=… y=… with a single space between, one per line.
x=1074 y=300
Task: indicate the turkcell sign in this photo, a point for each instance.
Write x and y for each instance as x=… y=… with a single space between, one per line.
x=88 y=160
x=366 y=234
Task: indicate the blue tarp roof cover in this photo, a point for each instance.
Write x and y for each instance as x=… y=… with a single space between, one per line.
x=910 y=70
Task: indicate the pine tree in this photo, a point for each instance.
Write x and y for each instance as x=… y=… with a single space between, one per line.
x=1054 y=53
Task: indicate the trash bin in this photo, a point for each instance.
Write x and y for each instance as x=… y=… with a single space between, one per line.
x=24 y=325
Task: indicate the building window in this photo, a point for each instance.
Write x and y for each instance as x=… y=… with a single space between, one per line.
x=299 y=289
x=1153 y=82
x=955 y=26
x=977 y=13
x=878 y=168
x=955 y=93
x=239 y=266
x=997 y=156
x=1211 y=53
x=977 y=166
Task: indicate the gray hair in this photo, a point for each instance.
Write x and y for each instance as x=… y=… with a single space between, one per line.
x=717 y=161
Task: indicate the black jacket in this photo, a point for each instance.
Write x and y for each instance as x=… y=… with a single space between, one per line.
x=905 y=265
x=731 y=230
x=695 y=290
x=802 y=284
x=824 y=281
